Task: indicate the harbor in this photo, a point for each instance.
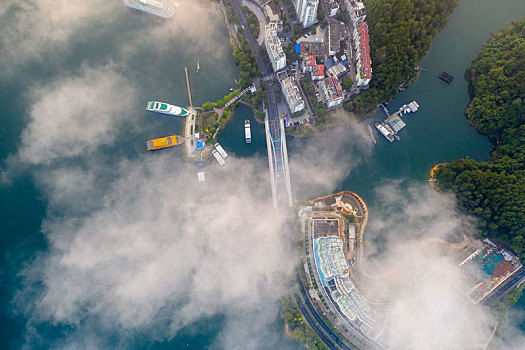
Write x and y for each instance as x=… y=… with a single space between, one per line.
x=393 y=123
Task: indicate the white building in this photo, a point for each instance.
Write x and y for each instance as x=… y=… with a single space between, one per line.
x=274 y=48
x=332 y=7
x=291 y=93
x=356 y=10
x=306 y=11
x=332 y=91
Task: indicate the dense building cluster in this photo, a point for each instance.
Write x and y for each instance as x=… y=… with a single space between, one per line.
x=332 y=53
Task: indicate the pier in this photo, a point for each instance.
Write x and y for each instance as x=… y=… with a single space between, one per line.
x=188 y=85
x=189 y=124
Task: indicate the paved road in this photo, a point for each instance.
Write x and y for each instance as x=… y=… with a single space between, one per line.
x=273 y=114
x=322 y=329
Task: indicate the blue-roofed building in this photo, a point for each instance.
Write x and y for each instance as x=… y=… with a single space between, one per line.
x=297 y=48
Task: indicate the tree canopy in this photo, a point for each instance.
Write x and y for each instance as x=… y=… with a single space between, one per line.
x=400 y=34
x=495 y=191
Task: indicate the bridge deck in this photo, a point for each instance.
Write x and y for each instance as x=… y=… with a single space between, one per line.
x=278 y=162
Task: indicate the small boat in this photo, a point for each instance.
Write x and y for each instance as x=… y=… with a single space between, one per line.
x=247 y=131
x=163 y=142
x=221 y=151
x=218 y=157
x=165 y=108
x=198 y=66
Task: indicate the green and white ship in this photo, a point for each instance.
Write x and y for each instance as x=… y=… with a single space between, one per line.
x=162 y=8
x=164 y=108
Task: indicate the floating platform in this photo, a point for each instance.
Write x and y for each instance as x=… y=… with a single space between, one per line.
x=163 y=142
x=446 y=77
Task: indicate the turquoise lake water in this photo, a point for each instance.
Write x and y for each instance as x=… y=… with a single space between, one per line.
x=437 y=133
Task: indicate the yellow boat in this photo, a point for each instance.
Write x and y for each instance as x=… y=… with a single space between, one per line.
x=163 y=142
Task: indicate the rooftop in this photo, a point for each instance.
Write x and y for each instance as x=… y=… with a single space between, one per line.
x=333 y=87
x=365 y=51
x=273 y=41
x=487 y=268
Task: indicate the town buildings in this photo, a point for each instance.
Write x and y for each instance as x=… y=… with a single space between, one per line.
x=306 y=11
x=291 y=92
x=332 y=7
x=274 y=48
x=332 y=91
x=356 y=10
x=335 y=32
x=362 y=51
x=310 y=66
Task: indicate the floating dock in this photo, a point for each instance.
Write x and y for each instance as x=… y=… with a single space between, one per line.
x=393 y=122
x=446 y=77
x=371 y=134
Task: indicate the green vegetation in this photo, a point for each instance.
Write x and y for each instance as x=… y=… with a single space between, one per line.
x=208 y=106
x=230 y=14
x=297 y=326
x=400 y=34
x=495 y=191
x=347 y=83
x=253 y=21
x=248 y=68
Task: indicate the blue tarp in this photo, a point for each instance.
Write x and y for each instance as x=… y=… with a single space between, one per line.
x=297 y=48
x=199 y=144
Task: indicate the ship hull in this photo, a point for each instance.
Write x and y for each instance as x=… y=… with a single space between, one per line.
x=165 y=108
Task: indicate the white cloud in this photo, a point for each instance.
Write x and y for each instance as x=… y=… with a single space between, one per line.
x=161 y=250
x=320 y=166
x=76 y=114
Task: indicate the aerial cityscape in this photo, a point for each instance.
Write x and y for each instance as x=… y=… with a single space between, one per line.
x=263 y=174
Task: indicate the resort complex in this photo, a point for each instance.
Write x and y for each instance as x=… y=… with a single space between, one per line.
x=491 y=270
x=333 y=228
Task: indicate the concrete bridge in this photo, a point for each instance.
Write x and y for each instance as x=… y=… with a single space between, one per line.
x=278 y=162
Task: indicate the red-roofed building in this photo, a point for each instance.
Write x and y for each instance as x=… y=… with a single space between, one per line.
x=308 y=63
x=318 y=72
x=363 y=63
x=332 y=91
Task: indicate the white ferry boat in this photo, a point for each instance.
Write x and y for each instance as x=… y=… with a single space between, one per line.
x=218 y=157
x=164 y=108
x=385 y=132
x=247 y=131
x=161 y=8
x=221 y=151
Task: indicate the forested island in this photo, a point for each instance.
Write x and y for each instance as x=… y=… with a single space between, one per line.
x=494 y=191
x=400 y=35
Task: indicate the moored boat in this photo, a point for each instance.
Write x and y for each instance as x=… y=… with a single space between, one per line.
x=385 y=132
x=218 y=157
x=165 y=108
x=163 y=142
x=247 y=131
x=221 y=151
